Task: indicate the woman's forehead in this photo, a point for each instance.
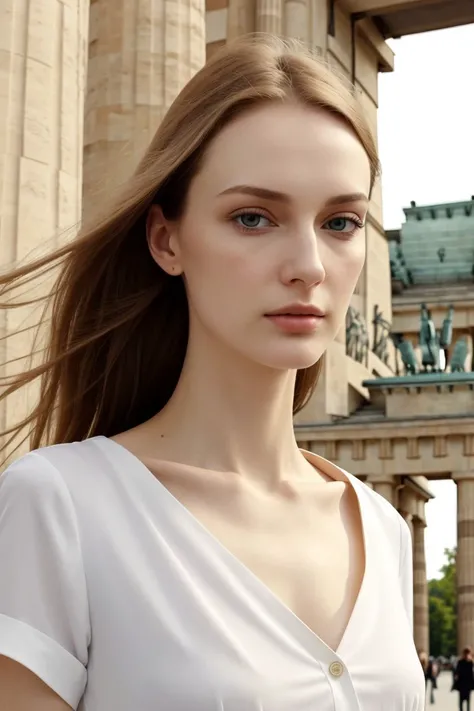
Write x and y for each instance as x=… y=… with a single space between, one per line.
x=287 y=148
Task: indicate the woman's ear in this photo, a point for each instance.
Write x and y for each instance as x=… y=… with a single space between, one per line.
x=162 y=242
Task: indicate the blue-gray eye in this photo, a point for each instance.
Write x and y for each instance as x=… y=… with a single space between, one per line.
x=251 y=220
x=343 y=224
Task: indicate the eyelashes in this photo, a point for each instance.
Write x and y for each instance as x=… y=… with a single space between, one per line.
x=356 y=221
x=254 y=217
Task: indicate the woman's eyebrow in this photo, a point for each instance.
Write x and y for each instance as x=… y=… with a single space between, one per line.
x=277 y=196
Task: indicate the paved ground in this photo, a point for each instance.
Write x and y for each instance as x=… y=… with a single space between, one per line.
x=445 y=699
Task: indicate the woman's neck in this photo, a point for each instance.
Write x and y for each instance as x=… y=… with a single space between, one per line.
x=227 y=414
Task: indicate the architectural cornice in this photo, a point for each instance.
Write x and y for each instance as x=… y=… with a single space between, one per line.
x=396 y=18
x=413 y=483
x=429 y=426
x=422 y=380
x=434 y=453
x=385 y=54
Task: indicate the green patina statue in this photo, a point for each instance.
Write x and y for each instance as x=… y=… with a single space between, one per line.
x=407 y=352
x=446 y=335
x=429 y=342
x=457 y=363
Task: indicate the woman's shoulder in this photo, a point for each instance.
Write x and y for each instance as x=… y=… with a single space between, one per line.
x=43 y=475
x=35 y=473
x=44 y=620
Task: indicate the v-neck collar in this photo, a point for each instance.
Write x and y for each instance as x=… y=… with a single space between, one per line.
x=304 y=634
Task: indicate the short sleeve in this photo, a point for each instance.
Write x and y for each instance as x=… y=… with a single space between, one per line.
x=44 y=615
x=406 y=568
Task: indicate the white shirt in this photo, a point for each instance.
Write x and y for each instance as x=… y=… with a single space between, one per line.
x=115 y=595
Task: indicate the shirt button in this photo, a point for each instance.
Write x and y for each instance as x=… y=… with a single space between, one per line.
x=336 y=669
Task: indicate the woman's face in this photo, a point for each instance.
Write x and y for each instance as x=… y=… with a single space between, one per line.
x=271 y=243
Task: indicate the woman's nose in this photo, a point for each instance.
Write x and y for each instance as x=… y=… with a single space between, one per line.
x=304 y=262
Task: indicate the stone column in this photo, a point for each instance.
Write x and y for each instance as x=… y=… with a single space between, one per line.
x=42 y=80
x=269 y=16
x=319 y=28
x=465 y=558
x=297 y=19
x=408 y=518
x=141 y=53
x=407 y=504
x=241 y=16
x=420 y=588
x=385 y=486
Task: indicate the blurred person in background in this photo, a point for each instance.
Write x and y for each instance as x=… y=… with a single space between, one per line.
x=464 y=679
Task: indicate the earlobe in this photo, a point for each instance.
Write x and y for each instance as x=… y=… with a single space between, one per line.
x=161 y=241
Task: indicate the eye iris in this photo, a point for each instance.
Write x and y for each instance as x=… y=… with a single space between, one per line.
x=338 y=223
x=250 y=219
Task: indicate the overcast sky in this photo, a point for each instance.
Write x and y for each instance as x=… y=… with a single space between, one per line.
x=426 y=139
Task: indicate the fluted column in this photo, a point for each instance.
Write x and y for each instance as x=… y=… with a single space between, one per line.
x=269 y=16
x=465 y=558
x=241 y=17
x=141 y=53
x=420 y=588
x=42 y=80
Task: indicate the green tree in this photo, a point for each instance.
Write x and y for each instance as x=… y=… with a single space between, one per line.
x=443 y=608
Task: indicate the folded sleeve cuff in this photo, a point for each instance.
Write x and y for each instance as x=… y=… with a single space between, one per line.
x=53 y=664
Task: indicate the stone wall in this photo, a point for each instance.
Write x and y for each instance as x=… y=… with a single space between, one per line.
x=42 y=86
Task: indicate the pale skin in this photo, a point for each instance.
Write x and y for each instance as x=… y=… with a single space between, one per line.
x=230 y=418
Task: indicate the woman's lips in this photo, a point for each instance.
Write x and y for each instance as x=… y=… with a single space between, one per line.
x=296 y=323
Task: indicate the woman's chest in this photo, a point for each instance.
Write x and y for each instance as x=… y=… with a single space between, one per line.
x=191 y=652
x=178 y=622
x=311 y=568
x=307 y=550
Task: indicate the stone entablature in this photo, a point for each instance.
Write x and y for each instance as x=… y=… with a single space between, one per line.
x=396 y=18
x=464 y=208
x=433 y=448
x=444 y=394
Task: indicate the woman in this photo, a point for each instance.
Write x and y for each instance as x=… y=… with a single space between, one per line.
x=464 y=679
x=172 y=548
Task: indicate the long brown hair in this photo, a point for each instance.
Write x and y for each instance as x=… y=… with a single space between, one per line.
x=118 y=324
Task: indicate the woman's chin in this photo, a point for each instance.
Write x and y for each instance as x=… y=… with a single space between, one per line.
x=298 y=360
